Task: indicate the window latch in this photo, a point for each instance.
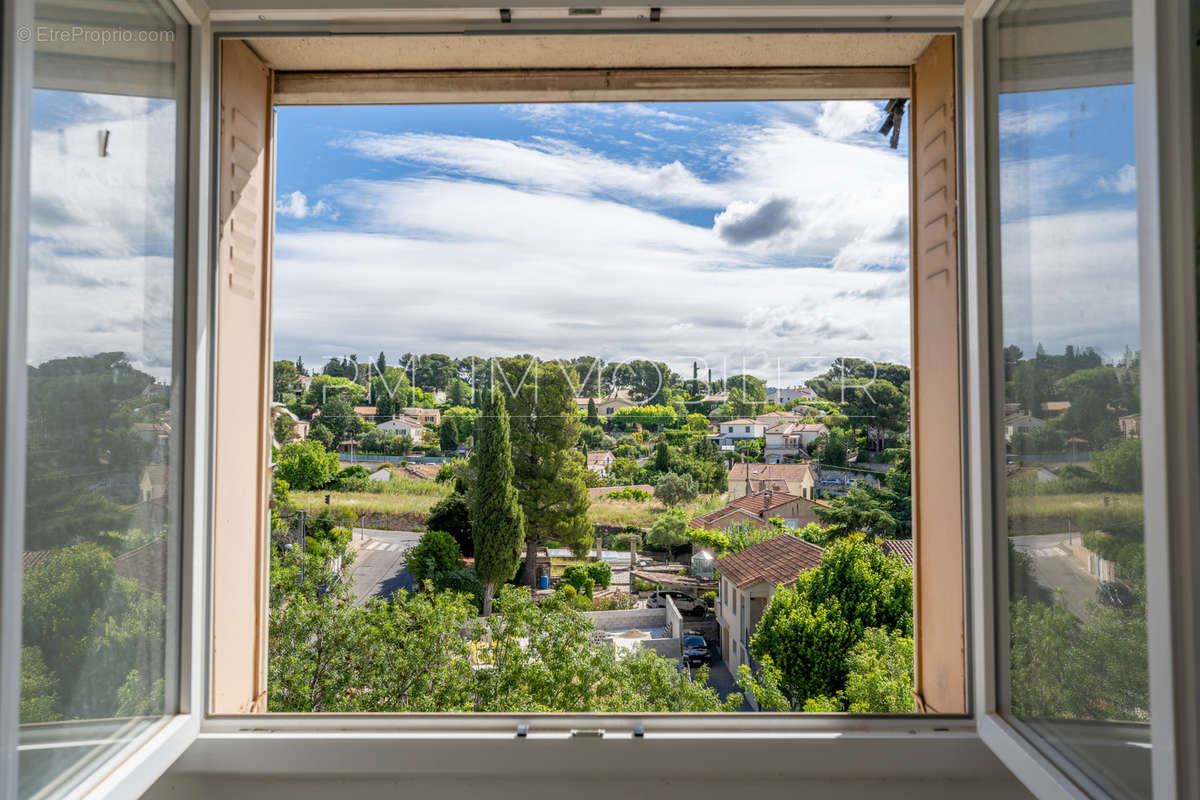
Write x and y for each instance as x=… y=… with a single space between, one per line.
x=587 y=733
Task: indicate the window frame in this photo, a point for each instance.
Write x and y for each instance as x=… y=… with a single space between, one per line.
x=1165 y=109
x=259 y=744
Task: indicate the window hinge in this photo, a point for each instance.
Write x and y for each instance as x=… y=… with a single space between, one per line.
x=523 y=731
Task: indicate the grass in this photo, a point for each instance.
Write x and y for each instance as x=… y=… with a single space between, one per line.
x=643 y=513
x=1054 y=513
x=408 y=497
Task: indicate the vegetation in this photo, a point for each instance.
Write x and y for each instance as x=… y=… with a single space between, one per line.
x=435 y=552
x=674 y=490
x=306 y=465
x=497 y=524
x=809 y=630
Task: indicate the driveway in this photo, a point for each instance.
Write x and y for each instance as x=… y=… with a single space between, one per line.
x=1055 y=568
x=720 y=679
x=378 y=570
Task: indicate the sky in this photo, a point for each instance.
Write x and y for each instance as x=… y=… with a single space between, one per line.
x=1068 y=241
x=758 y=237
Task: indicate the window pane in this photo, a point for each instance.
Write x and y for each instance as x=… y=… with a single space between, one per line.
x=102 y=500
x=1068 y=256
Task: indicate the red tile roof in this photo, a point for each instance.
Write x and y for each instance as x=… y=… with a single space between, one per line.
x=756 y=504
x=769 y=472
x=901 y=547
x=778 y=560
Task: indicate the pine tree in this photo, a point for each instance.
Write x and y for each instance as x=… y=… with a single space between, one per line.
x=380 y=363
x=300 y=365
x=497 y=523
x=448 y=434
x=593 y=418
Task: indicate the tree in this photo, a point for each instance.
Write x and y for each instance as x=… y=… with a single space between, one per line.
x=662 y=456
x=497 y=524
x=669 y=531
x=593 y=418
x=306 y=465
x=319 y=433
x=448 y=434
x=879 y=676
x=452 y=514
x=300 y=365
x=808 y=630
x=435 y=552
x=339 y=417
x=673 y=489
x=861 y=510
x=1119 y=464
x=380 y=364
x=544 y=428
x=459 y=393
x=285 y=381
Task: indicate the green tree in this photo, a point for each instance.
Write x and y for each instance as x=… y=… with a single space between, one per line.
x=39 y=691
x=459 y=393
x=285 y=381
x=497 y=524
x=861 y=510
x=809 y=629
x=879 y=676
x=306 y=465
x=672 y=489
x=662 y=457
x=593 y=418
x=338 y=415
x=452 y=514
x=318 y=432
x=544 y=428
x=435 y=552
x=448 y=434
x=1119 y=464
x=669 y=531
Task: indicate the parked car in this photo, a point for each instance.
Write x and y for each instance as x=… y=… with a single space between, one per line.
x=1115 y=595
x=684 y=602
x=695 y=651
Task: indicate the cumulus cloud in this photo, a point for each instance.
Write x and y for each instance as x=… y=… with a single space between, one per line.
x=843 y=119
x=296 y=206
x=1123 y=181
x=743 y=223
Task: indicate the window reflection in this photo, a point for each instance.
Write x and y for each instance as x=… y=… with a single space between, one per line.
x=102 y=379
x=1072 y=418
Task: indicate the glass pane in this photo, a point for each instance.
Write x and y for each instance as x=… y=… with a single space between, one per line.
x=102 y=499
x=1068 y=256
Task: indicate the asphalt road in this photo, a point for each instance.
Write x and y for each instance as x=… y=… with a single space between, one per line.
x=379 y=568
x=1055 y=568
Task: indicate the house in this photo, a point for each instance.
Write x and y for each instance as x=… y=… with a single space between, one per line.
x=425 y=416
x=1131 y=426
x=404 y=426
x=748 y=582
x=738 y=430
x=1020 y=423
x=715 y=397
x=797 y=479
x=758 y=509
x=599 y=461
x=1055 y=408
x=366 y=413
x=900 y=547
x=787 y=441
x=614 y=402
x=383 y=474
x=153 y=483
x=300 y=430
x=789 y=395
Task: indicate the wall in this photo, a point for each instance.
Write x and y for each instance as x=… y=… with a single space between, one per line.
x=674 y=620
x=668 y=648
x=624 y=620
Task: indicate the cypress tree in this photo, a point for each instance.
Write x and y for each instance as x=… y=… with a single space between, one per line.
x=497 y=523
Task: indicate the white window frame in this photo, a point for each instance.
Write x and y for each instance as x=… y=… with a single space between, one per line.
x=820 y=744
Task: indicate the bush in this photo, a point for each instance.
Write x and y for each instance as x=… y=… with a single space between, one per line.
x=352 y=479
x=622 y=540
x=306 y=465
x=643 y=585
x=582 y=579
x=436 y=552
x=601 y=573
x=629 y=493
x=710 y=599
x=452 y=514
x=463 y=581
x=674 y=489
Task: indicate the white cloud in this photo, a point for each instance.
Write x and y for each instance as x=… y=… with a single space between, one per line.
x=1123 y=181
x=295 y=205
x=843 y=119
x=1038 y=121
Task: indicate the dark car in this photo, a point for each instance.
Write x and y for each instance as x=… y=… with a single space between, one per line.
x=695 y=651
x=1115 y=595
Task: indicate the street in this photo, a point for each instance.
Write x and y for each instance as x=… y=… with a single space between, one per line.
x=1055 y=568
x=378 y=570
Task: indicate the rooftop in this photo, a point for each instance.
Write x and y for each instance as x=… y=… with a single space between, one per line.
x=778 y=560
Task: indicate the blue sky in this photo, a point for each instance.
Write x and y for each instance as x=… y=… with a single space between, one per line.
x=762 y=236
x=1068 y=199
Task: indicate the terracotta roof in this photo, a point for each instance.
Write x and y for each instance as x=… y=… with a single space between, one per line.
x=597 y=458
x=31 y=558
x=778 y=560
x=769 y=472
x=366 y=411
x=146 y=566
x=756 y=504
x=901 y=547
x=741 y=421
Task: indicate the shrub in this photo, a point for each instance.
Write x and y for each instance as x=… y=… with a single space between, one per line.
x=710 y=599
x=674 y=489
x=306 y=465
x=642 y=585
x=601 y=573
x=580 y=578
x=436 y=552
x=452 y=515
x=622 y=540
x=463 y=581
x=352 y=479
x=629 y=493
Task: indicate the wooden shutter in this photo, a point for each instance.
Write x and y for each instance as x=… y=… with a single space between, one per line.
x=243 y=370
x=936 y=385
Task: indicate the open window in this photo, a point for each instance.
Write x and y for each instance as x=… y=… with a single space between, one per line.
x=257 y=74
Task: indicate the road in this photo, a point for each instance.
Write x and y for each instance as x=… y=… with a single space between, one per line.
x=1055 y=568
x=379 y=568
